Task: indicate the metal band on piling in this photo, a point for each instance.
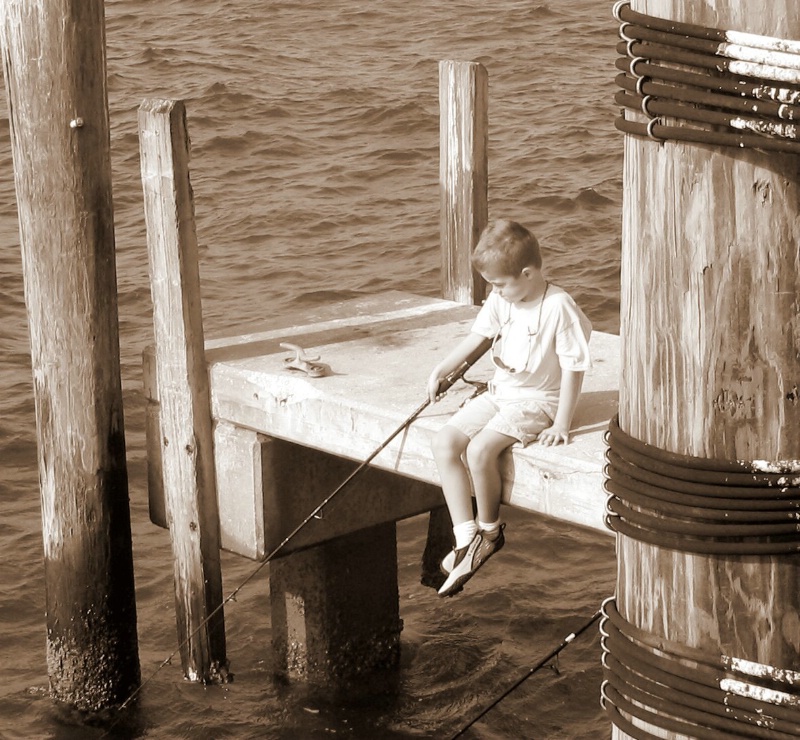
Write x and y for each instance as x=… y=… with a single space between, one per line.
x=721 y=60
x=623 y=13
x=698 y=505
x=647 y=677
x=631 y=82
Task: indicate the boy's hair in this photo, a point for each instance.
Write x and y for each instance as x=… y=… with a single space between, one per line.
x=507 y=247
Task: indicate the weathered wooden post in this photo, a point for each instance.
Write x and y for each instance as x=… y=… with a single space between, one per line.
x=710 y=347
x=187 y=453
x=55 y=74
x=463 y=175
x=464 y=208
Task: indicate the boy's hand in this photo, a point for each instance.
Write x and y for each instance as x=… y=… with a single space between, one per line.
x=434 y=382
x=554 y=435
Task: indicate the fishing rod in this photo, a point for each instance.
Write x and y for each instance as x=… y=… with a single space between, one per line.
x=552 y=654
x=444 y=385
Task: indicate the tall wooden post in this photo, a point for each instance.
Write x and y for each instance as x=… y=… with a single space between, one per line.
x=464 y=209
x=463 y=175
x=55 y=74
x=187 y=452
x=710 y=342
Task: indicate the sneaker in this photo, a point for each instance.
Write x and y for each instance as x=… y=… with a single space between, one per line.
x=464 y=561
x=449 y=560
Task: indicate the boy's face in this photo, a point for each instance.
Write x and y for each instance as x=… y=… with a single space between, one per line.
x=515 y=289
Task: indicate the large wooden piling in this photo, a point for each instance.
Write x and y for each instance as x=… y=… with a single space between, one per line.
x=187 y=453
x=55 y=74
x=709 y=330
x=463 y=214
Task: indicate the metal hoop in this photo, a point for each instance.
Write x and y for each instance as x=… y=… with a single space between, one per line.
x=603 y=696
x=625 y=36
x=634 y=62
x=650 y=124
x=617 y=7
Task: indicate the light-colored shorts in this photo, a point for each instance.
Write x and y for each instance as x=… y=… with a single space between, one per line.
x=522 y=419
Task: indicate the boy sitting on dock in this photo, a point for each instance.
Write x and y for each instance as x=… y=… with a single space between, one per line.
x=540 y=349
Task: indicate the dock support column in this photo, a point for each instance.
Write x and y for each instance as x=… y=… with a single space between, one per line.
x=187 y=448
x=710 y=342
x=335 y=605
x=55 y=75
x=335 y=608
x=464 y=212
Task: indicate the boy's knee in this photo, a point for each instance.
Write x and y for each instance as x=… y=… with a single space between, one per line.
x=448 y=442
x=481 y=454
x=476 y=454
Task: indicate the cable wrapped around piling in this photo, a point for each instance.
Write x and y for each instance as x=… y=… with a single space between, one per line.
x=685 y=690
x=694 y=504
x=705 y=85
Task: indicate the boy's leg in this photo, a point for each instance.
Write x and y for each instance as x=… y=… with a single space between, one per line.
x=519 y=421
x=483 y=453
x=483 y=458
x=448 y=447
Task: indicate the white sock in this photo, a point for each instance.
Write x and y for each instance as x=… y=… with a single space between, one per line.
x=490 y=527
x=465 y=532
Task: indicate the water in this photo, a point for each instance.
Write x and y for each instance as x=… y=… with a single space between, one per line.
x=315 y=167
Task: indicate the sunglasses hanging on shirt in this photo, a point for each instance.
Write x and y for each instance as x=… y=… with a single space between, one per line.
x=496 y=360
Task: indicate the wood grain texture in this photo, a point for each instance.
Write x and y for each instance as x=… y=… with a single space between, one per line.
x=55 y=74
x=710 y=346
x=463 y=175
x=187 y=455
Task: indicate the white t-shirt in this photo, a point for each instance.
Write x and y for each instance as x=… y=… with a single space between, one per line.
x=537 y=341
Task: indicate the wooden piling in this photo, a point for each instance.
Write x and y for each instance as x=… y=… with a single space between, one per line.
x=463 y=175
x=55 y=75
x=709 y=331
x=464 y=209
x=187 y=454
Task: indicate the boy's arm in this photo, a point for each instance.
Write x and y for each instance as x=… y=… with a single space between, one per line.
x=571 y=382
x=466 y=348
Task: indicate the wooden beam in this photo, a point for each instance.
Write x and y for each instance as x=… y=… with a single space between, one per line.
x=55 y=75
x=187 y=453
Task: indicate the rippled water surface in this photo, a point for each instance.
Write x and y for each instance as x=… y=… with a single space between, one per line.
x=314 y=133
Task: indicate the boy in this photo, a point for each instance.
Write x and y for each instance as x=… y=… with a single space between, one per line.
x=540 y=350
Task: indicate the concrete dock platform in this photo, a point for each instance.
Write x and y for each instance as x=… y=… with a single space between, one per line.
x=380 y=350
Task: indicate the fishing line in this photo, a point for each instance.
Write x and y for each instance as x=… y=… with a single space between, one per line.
x=552 y=654
x=444 y=385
